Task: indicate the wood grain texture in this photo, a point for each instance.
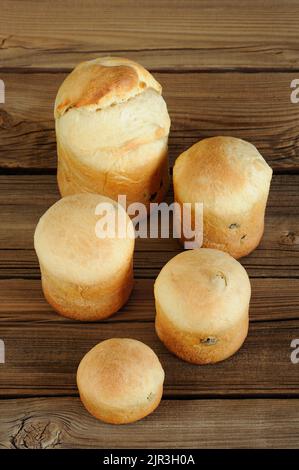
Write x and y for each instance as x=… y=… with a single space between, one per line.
x=42 y=359
x=24 y=198
x=167 y=34
x=22 y=300
x=226 y=68
x=253 y=106
x=48 y=423
x=280 y=263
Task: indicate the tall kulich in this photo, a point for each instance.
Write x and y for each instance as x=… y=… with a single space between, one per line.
x=112 y=129
x=232 y=180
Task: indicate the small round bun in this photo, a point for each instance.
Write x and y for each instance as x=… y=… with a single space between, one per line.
x=86 y=274
x=202 y=299
x=120 y=380
x=112 y=129
x=232 y=180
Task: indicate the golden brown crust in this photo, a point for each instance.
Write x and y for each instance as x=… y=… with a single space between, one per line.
x=232 y=180
x=96 y=99
x=102 y=82
x=120 y=380
x=202 y=299
x=86 y=275
x=149 y=182
x=239 y=238
x=201 y=349
x=112 y=416
x=91 y=303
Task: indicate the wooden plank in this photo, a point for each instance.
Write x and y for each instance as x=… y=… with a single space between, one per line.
x=42 y=358
x=63 y=423
x=24 y=198
x=276 y=263
x=162 y=34
x=184 y=44
x=19 y=221
x=253 y=106
x=41 y=191
x=22 y=300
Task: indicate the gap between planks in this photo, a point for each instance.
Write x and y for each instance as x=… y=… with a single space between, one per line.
x=199 y=106
x=22 y=300
x=162 y=70
x=64 y=423
x=212 y=35
x=43 y=358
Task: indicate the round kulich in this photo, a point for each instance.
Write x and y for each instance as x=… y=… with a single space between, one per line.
x=202 y=300
x=231 y=178
x=112 y=129
x=120 y=380
x=85 y=276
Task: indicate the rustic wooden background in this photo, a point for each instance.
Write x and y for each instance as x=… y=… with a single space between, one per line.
x=226 y=68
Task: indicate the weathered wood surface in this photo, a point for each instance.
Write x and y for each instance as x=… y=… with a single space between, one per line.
x=224 y=70
x=44 y=349
x=253 y=106
x=42 y=359
x=188 y=35
x=47 y=423
x=24 y=198
x=21 y=300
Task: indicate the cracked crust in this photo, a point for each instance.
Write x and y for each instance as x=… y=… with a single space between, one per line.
x=202 y=300
x=120 y=380
x=103 y=82
x=96 y=99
